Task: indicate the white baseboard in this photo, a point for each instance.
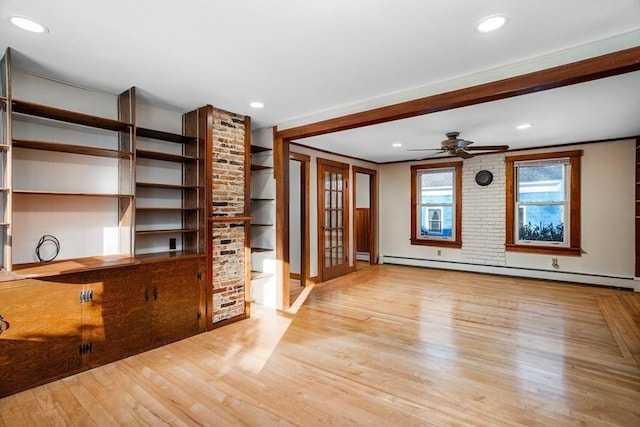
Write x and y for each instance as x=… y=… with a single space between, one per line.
x=589 y=279
x=362 y=256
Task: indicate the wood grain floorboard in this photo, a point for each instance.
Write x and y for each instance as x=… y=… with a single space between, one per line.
x=386 y=345
x=622 y=314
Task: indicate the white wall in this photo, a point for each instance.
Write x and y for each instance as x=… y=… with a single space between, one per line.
x=607 y=214
x=362 y=190
x=295 y=217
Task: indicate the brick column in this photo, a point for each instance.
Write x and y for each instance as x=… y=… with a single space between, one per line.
x=228 y=237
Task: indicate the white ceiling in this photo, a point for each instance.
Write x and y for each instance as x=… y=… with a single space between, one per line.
x=311 y=59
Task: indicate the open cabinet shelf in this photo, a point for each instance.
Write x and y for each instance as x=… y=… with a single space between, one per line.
x=54 y=113
x=170 y=189
x=168 y=209
x=69 y=193
x=167 y=186
x=262 y=209
x=167 y=231
x=157 y=155
x=163 y=136
x=70 y=148
x=71 y=157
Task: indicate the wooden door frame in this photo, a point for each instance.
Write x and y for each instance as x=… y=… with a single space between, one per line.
x=320 y=212
x=305 y=171
x=373 y=211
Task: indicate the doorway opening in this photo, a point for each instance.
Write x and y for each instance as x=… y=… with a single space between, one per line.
x=299 y=167
x=365 y=214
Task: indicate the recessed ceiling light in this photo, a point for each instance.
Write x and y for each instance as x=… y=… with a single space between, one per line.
x=256 y=104
x=491 y=23
x=396 y=144
x=28 y=24
x=524 y=126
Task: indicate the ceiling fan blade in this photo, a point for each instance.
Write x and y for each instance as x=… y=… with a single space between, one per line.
x=432 y=156
x=489 y=147
x=425 y=149
x=463 y=154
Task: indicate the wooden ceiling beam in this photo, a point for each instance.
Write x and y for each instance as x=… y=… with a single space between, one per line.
x=611 y=64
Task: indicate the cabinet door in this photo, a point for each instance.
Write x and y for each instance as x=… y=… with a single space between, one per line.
x=42 y=331
x=175 y=289
x=118 y=317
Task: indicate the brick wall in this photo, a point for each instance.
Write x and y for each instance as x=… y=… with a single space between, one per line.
x=483 y=219
x=228 y=178
x=228 y=163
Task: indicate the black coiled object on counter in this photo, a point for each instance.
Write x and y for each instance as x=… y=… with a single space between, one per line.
x=48 y=238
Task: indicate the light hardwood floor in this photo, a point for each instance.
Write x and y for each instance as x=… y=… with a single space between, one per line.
x=384 y=346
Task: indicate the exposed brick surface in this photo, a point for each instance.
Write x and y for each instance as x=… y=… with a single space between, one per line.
x=483 y=219
x=228 y=163
x=228 y=257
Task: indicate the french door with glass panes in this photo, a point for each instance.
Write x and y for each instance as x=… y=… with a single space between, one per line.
x=333 y=219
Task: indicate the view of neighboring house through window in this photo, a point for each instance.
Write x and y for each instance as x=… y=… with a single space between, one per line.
x=436 y=204
x=543 y=203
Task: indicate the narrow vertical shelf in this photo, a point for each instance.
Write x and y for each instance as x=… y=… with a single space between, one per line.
x=262 y=208
x=170 y=207
x=5 y=166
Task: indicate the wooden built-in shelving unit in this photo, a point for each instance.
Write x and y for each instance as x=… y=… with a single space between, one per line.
x=185 y=206
x=262 y=208
x=637 y=208
x=122 y=186
x=94 y=146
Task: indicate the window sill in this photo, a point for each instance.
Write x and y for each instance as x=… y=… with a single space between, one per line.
x=434 y=242
x=551 y=250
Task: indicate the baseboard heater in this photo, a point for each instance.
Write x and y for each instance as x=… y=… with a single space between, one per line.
x=618 y=282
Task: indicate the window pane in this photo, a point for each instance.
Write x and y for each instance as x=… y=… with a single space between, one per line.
x=437 y=187
x=541 y=183
x=437 y=221
x=541 y=223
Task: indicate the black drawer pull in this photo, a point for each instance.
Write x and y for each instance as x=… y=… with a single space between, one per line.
x=4 y=325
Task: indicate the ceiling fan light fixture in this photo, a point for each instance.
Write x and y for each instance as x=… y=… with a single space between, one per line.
x=491 y=23
x=28 y=25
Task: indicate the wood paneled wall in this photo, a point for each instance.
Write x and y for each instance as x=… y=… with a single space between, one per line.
x=363 y=225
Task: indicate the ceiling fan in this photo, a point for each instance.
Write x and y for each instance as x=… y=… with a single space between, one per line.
x=460 y=147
